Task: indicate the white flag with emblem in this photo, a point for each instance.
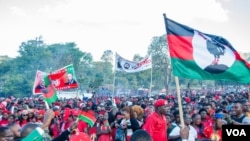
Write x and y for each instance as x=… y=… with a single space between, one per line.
x=125 y=65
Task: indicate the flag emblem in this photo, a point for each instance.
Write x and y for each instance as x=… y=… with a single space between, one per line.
x=210 y=54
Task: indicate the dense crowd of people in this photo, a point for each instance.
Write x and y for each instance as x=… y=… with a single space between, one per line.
x=154 y=118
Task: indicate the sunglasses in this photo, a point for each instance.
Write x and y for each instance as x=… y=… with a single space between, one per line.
x=25 y=115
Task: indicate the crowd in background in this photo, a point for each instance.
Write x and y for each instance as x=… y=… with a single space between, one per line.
x=154 y=118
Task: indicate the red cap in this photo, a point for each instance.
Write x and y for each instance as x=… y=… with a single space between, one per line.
x=160 y=102
x=41 y=112
x=57 y=113
x=6 y=112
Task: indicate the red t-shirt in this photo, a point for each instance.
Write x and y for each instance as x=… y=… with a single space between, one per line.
x=156 y=126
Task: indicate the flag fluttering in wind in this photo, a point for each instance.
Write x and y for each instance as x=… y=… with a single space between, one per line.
x=64 y=78
x=125 y=65
x=50 y=94
x=198 y=55
x=41 y=82
x=88 y=117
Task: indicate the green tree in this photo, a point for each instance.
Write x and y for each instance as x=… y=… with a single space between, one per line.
x=107 y=56
x=18 y=74
x=162 y=71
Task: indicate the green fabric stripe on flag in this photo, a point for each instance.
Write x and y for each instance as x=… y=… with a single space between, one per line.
x=188 y=68
x=86 y=119
x=46 y=80
x=51 y=99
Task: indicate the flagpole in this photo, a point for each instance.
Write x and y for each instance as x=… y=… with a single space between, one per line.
x=179 y=101
x=177 y=85
x=114 y=85
x=151 y=79
x=114 y=78
x=46 y=105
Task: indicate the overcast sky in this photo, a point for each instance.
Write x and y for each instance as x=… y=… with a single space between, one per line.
x=123 y=26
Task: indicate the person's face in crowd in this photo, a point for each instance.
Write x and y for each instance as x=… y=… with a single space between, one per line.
x=205 y=101
x=101 y=117
x=236 y=109
x=203 y=115
x=16 y=130
x=106 y=116
x=213 y=105
x=168 y=109
x=197 y=120
x=118 y=117
x=164 y=109
x=188 y=109
x=126 y=114
x=187 y=120
x=31 y=115
x=151 y=109
x=11 y=119
x=208 y=108
x=6 y=136
x=246 y=107
x=25 y=116
x=168 y=118
x=177 y=118
x=98 y=108
x=39 y=116
x=218 y=123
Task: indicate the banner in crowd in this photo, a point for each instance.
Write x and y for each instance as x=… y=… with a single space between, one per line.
x=125 y=65
x=198 y=55
x=64 y=78
x=41 y=82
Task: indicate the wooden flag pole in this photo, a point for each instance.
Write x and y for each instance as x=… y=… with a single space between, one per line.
x=179 y=101
x=46 y=105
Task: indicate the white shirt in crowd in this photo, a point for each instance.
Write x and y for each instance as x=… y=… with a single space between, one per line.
x=192 y=133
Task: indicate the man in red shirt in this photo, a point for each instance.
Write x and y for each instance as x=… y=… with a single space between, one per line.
x=156 y=124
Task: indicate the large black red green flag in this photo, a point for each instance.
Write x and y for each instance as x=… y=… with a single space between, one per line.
x=198 y=55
